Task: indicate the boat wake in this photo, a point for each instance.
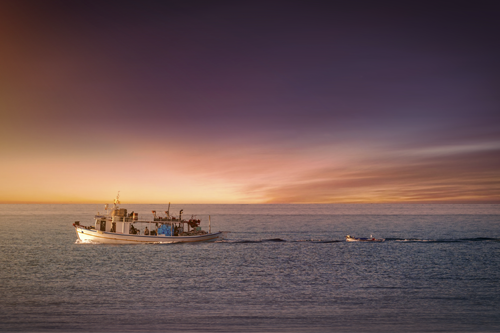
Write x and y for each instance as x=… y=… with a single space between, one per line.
x=400 y=240
x=86 y=241
x=457 y=240
x=249 y=241
x=280 y=240
x=318 y=241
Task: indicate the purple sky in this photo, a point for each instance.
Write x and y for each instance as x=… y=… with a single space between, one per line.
x=251 y=101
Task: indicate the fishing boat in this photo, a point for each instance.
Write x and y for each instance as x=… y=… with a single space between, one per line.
x=118 y=226
x=355 y=239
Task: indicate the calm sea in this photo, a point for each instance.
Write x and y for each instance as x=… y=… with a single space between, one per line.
x=283 y=268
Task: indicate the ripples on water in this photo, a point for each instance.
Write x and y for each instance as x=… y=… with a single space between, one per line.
x=283 y=268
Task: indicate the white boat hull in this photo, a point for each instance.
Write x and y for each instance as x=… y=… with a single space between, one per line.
x=97 y=236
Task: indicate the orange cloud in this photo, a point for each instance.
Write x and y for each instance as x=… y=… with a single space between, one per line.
x=469 y=177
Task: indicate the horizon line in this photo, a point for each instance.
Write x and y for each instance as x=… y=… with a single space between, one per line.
x=458 y=202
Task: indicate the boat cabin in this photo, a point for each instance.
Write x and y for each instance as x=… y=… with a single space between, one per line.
x=121 y=222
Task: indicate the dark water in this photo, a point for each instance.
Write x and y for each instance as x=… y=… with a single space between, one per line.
x=284 y=268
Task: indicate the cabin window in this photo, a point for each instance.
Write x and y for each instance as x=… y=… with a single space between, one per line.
x=103 y=225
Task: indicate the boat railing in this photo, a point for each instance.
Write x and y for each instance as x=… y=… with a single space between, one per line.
x=161 y=221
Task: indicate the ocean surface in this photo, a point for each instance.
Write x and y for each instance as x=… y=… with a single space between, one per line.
x=283 y=268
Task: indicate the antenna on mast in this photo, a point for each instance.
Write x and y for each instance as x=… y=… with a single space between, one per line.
x=117 y=201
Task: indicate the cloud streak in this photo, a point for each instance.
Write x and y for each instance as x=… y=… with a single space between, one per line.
x=467 y=177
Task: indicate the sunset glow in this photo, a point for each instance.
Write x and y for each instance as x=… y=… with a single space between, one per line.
x=247 y=103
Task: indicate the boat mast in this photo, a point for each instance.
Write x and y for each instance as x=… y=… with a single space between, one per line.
x=117 y=201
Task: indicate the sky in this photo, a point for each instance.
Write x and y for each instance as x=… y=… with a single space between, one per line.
x=249 y=101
